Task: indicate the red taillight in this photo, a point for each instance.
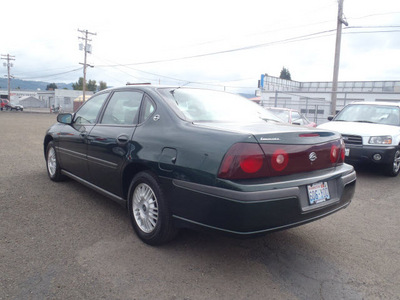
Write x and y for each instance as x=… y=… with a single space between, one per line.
x=243 y=160
x=334 y=153
x=251 y=160
x=251 y=164
x=279 y=159
x=337 y=153
x=342 y=151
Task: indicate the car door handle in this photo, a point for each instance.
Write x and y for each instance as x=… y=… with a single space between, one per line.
x=122 y=139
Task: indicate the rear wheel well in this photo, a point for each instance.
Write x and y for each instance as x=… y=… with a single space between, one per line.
x=130 y=172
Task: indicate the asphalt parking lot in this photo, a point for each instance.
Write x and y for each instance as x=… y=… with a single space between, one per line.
x=64 y=241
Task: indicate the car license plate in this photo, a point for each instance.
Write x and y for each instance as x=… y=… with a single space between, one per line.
x=347 y=152
x=318 y=192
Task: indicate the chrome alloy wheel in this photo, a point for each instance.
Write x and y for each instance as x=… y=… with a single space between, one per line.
x=396 y=162
x=145 y=207
x=51 y=161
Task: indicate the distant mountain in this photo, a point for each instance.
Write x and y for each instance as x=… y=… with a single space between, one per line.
x=30 y=85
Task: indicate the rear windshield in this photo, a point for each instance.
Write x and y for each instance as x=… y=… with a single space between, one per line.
x=364 y=113
x=199 y=105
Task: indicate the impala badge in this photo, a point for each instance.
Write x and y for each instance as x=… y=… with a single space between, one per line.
x=312 y=156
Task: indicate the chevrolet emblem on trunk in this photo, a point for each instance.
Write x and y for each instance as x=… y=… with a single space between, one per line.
x=312 y=156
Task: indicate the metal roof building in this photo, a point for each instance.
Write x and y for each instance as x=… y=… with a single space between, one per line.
x=313 y=98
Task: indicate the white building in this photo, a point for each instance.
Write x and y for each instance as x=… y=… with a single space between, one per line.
x=313 y=98
x=17 y=95
x=61 y=98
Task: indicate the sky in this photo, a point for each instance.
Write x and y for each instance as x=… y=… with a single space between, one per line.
x=220 y=44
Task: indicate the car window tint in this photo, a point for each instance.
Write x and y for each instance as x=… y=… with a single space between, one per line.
x=147 y=109
x=88 y=113
x=122 y=108
x=214 y=106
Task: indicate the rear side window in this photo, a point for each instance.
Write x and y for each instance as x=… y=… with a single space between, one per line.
x=123 y=108
x=147 y=109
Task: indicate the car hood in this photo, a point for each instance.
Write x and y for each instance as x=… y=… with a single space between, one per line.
x=276 y=133
x=361 y=129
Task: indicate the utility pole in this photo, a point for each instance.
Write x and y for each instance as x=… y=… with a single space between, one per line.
x=340 y=21
x=87 y=48
x=9 y=58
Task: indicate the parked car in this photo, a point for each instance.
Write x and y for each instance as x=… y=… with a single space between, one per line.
x=371 y=132
x=3 y=103
x=291 y=116
x=182 y=157
x=13 y=106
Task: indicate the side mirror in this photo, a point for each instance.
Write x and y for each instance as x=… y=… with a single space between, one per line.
x=330 y=118
x=65 y=118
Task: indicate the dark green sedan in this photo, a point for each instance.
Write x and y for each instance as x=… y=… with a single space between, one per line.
x=184 y=157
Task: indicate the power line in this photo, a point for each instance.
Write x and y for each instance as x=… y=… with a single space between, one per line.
x=50 y=75
x=288 y=40
x=222 y=51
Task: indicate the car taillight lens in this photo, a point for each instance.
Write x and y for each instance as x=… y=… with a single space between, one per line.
x=243 y=160
x=342 y=152
x=279 y=160
x=338 y=153
x=251 y=160
x=334 y=153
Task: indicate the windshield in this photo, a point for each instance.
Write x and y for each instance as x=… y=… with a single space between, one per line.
x=380 y=114
x=213 y=106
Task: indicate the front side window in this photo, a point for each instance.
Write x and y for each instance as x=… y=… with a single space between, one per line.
x=88 y=113
x=122 y=109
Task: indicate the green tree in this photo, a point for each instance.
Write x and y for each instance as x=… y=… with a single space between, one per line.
x=51 y=87
x=78 y=86
x=285 y=74
x=102 y=86
x=91 y=86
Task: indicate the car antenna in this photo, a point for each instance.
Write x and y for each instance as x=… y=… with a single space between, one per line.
x=173 y=91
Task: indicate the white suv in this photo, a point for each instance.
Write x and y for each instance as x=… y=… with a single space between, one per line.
x=371 y=132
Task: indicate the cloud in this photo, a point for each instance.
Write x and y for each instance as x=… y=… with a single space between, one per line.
x=134 y=31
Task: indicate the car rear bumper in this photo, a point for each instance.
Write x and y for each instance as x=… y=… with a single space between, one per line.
x=273 y=206
x=361 y=154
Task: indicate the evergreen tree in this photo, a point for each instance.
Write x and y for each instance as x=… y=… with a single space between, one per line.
x=285 y=74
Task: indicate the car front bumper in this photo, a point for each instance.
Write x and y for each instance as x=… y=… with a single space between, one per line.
x=256 y=209
x=375 y=154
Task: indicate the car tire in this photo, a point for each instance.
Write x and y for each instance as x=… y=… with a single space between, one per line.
x=52 y=164
x=393 y=168
x=148 y=210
